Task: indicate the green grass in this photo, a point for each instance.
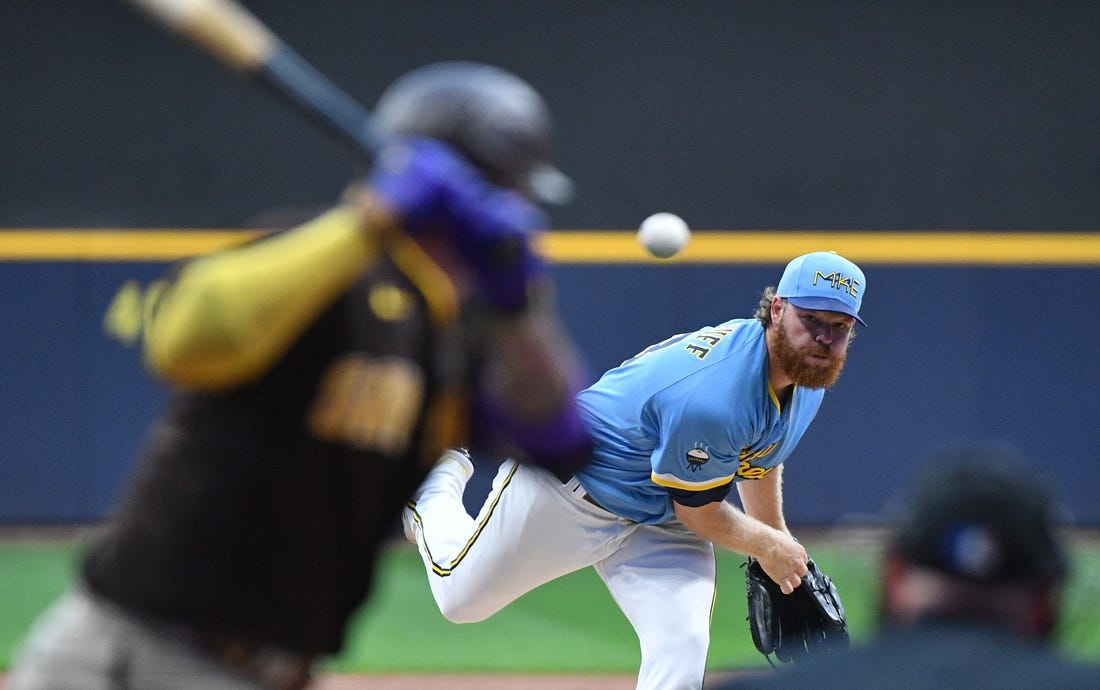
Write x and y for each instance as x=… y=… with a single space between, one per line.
x=31 y=576
x=570 y=625
x=1079 y=629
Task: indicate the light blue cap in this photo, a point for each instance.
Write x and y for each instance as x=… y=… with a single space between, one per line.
x=823 y=281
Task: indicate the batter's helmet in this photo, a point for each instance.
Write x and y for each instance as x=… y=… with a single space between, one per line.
x=495 y=118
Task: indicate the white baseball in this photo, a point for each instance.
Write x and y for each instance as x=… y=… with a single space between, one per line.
x=664 y=234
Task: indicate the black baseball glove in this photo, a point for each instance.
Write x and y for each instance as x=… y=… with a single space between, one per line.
x=807 y=621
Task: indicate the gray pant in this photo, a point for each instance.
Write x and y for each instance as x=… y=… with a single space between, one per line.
x=82 y=643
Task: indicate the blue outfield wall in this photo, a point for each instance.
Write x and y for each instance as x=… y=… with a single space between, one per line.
x=951 y=353
x=957 y=119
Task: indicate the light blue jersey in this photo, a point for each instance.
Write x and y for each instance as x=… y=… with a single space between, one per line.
x=694 y=413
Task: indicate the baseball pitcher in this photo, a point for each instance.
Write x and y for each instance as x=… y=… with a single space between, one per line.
x=676 y=428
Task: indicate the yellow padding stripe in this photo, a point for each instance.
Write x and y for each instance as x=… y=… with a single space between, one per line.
x=904 y=248
x=115 y=245
x=615 y=246
x=443 y=571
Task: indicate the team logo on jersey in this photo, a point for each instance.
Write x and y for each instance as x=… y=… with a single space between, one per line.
x=747 y=470
x=369 y=403
x=696 y=458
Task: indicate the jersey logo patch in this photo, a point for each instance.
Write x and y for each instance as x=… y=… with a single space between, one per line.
x=696 y=458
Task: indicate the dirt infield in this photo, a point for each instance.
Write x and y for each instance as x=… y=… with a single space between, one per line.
x=470 y=681
x=474 y=681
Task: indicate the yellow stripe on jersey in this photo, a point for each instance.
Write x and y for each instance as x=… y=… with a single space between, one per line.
x=431 y=280
x=673 y=482
x=774 y=398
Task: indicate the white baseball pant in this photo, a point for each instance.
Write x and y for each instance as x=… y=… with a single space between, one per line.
x=533 y=529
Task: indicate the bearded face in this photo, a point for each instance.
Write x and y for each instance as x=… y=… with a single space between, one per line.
x=811 y=366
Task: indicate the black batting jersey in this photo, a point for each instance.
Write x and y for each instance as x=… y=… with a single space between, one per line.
x=259 y=511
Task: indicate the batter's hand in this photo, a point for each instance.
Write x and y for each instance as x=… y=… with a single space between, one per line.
x=431 y=187
x=785 y=562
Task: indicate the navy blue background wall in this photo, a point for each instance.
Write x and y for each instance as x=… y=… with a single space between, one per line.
x=834 y=116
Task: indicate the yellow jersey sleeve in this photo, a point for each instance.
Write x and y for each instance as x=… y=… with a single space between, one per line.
x=227 y=317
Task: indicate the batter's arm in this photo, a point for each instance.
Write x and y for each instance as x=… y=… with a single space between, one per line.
x=228 y=316
x=720 y=522
x=533 y=372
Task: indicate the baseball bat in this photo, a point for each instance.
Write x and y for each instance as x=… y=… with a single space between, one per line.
x=231 y=34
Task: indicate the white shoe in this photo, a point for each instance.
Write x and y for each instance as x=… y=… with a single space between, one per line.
x=462 y=457
x=408 y=522
x=446 y=462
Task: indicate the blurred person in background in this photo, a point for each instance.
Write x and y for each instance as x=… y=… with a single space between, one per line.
x=316 y=375
x=971 y=587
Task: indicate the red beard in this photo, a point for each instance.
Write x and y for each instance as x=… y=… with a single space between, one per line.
x=794 y=362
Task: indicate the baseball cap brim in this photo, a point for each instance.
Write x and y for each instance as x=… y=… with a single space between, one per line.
x=825 y=304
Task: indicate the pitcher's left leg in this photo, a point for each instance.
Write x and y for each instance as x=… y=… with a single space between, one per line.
x=663 y=580
x=530 y=530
